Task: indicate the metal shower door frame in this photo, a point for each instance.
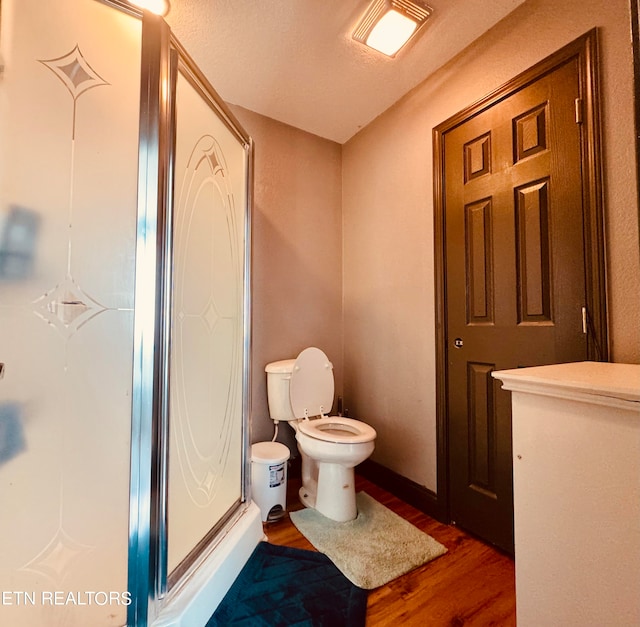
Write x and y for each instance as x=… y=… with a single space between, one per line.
x=162 y=56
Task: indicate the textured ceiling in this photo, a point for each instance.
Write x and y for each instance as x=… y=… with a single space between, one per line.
x=294 y=60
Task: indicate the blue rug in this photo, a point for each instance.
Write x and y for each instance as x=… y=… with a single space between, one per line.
x=283 y=587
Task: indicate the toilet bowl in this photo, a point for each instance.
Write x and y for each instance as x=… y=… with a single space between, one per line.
x=300 y=392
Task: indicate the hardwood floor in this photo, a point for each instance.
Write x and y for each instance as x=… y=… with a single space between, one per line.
x=472 y=584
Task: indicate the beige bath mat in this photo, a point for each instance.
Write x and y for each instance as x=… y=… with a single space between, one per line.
x=373 y=549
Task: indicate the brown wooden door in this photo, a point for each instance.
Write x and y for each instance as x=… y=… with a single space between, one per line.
x=515 y=278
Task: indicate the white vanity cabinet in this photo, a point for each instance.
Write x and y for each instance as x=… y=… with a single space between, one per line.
x=576 y=481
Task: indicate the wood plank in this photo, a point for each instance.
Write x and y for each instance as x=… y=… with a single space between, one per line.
x=472 y=584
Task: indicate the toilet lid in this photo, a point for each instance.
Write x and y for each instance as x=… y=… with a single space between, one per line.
x=311 y=386
x=338 y=429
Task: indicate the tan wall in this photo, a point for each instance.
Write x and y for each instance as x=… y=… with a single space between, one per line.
x=389 y=345
x=297 y=254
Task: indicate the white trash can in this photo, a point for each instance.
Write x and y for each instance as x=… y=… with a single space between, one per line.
x=269 y=479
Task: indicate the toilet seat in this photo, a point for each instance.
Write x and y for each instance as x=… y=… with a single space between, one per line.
x=337 y=429
x=311 y=386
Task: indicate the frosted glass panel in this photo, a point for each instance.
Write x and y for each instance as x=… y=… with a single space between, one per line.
x=206 y=363
x=69 y=103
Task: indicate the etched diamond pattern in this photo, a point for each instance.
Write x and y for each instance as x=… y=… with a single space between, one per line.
x=56 y=558
x=75 y=72
x=67 y=307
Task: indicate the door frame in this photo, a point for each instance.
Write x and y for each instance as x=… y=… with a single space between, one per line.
x=585 y=51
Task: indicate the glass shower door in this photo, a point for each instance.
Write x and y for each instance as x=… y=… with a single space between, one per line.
x=69 y=103
x=208 y=350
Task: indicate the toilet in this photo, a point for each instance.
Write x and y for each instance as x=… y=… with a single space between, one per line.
x=300 y=392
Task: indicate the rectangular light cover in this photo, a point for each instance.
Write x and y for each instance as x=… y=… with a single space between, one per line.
x=391 y=32
x=159 y=7
x=387 y=25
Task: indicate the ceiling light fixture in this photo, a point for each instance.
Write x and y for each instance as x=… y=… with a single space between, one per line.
x=387 y=25
x=159 y=7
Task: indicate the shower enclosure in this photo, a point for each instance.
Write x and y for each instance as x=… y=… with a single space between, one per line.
x=124 y=323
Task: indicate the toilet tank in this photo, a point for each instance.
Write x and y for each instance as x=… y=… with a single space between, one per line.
x=278 y=378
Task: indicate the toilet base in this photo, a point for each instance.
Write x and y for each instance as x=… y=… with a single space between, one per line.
x=307 y=497
x=334 y=494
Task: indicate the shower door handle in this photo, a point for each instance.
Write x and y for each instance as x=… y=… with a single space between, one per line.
x=1 y=370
